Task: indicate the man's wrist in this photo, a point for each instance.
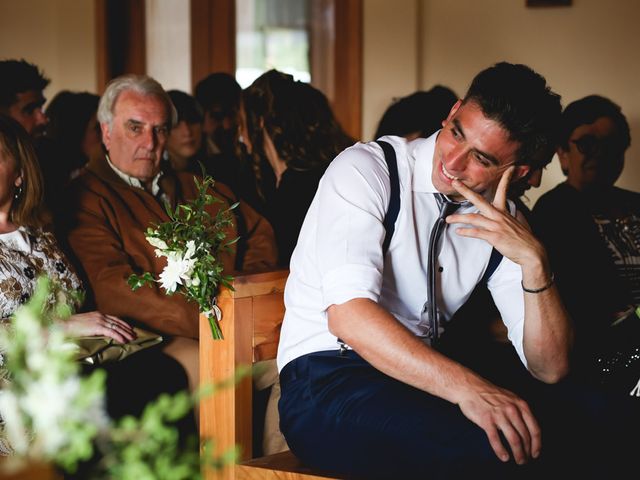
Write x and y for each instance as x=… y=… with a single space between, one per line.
x=536 y=274
x=540 y=289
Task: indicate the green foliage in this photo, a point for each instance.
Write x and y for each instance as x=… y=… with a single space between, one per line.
x=149 y=447
x=53 y=414
x=50 y=413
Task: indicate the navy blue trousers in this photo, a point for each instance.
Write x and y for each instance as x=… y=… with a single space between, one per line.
x=341 y=415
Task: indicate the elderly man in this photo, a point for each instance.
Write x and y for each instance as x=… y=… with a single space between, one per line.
x=123 y=193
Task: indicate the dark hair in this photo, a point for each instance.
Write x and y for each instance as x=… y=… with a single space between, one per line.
x=69 y=114
x=188 y=108
x=219 y=94
x=28 y=208
x=297 y=118
x=587 y=110
x=18 y=76
x=520 y=100
x=422 y=112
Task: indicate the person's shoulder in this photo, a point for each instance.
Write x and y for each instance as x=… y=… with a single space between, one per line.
x=368 y=157
x=558 y=196
x=88 y=181
x=629 y=196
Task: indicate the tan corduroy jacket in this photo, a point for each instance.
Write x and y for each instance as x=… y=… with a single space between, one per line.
x=107 y=237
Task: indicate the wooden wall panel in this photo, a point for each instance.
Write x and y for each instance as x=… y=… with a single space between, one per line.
x=213 y=31
x=121 y=41
x=348 y=66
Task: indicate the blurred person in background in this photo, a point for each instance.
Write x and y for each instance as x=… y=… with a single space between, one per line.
x=591 y=230
x=73 y=125
x=417 y=115
x=185 y=147
x=291 y=136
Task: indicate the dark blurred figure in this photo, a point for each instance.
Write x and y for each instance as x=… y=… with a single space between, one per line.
x=21 y=94
x=187 y=149
x=591 y=230
x=22 y=97
x=417 y=115
x=220 y=96
x=73 y=125
x=292 y=136
x=184 y=144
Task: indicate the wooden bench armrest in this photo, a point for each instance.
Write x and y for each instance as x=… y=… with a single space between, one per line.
x=251 y=317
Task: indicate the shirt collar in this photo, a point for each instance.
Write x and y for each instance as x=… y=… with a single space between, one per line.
x=133 y=181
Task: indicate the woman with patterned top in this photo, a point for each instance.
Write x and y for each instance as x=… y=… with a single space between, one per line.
x=27 y=251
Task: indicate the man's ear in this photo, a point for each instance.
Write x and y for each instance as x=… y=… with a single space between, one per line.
x=106 y=135
x=452 y=112
x=519 y=172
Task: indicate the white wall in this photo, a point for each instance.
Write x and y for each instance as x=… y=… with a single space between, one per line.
x=56 y=35
x=169 y=43
x=589 y=47
x=390 y=57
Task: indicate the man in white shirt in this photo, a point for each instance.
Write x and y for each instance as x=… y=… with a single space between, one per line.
x=364 y=390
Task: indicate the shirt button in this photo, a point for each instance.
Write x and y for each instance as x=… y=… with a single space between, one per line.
x=440 y=269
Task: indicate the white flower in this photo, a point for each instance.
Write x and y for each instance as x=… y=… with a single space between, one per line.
x=176 y=272
x=191 y=250
x=49 y=402
x=158 y=243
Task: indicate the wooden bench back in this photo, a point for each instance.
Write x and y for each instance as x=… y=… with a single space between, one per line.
x=252 y=314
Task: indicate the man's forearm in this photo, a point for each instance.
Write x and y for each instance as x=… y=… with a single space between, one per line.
x=387 y=345
x=548 y=333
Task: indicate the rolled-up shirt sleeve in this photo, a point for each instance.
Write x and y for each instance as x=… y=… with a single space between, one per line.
x=352 y=201
x=506 y=291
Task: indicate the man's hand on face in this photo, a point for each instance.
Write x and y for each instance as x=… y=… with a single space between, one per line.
x=510 y=236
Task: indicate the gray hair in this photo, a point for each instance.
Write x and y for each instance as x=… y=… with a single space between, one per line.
x=142 y=84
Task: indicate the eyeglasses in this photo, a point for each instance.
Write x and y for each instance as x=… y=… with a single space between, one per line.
x=592 y=146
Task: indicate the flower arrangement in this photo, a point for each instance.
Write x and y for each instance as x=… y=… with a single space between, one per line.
x=192 y=242
x=50 y=413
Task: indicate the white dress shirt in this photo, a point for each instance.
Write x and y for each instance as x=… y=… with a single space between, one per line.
x=135 y=182
x=339 y=252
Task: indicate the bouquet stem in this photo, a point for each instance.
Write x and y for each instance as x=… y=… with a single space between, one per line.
x=216 y=331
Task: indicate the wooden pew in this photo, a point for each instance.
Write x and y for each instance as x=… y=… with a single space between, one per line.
x=252 y=314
